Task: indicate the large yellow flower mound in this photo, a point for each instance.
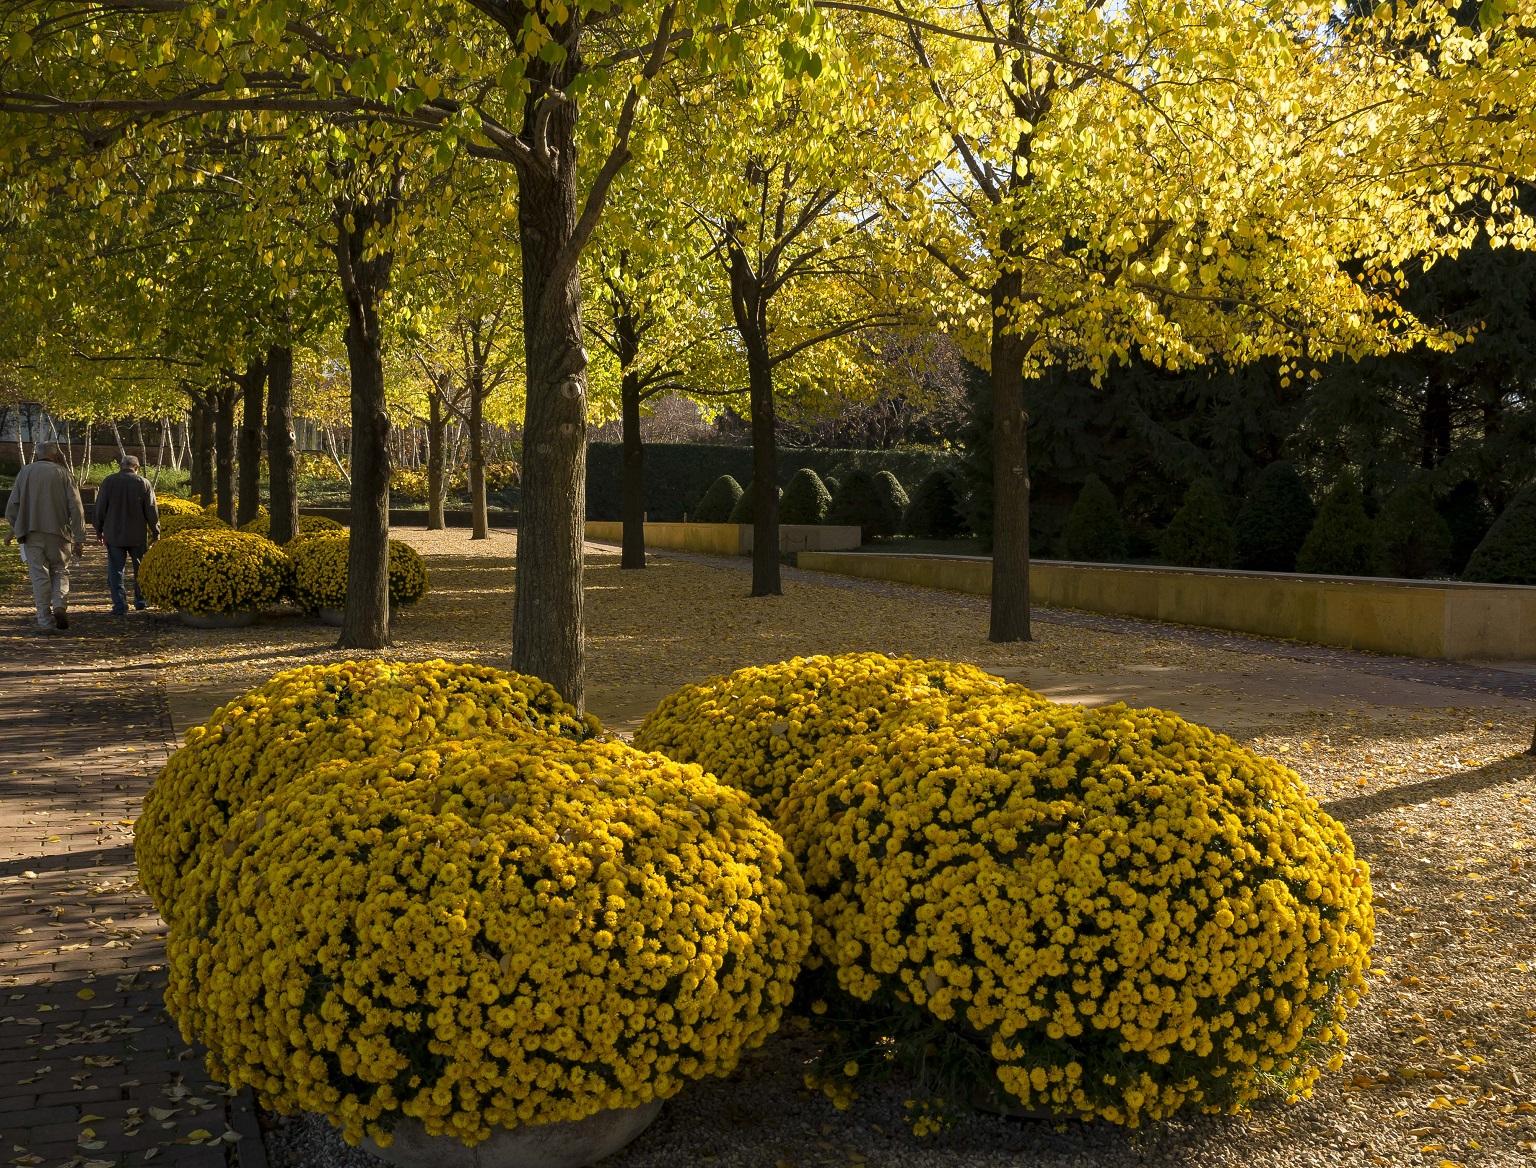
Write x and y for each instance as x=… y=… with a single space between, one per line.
x=1129 y=913
x=315 y=714
x=308 y=524
x=760 y=727
x=208 y=570
x=173 y=505
x=178 y=521
x=487 y=935
x=320 y=571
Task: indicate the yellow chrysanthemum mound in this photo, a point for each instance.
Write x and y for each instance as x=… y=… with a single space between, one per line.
x=320 y=571
x=487 y=935
x=208 y=570
x=315 y=714
x=174 y=505
x=760 y=727
x=308 y=524
x=178 y=521
x=1127 y=912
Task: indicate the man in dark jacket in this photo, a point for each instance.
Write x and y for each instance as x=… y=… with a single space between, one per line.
x=127 y=519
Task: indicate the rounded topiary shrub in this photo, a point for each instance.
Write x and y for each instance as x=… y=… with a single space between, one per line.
x=1507 y=554
x=1341 y=540
x=308 y=524
x=1199 y=535
x=481 y=936
x=806 y=499
x=169 y=505
x=760 y=727
x=1094 y=530
x=179 y=521
x=1273 y=521
x=308 y=716
x=214 y=570
x=320 y=571
x=744 y=511
x=718 y=502
x=872 y=503
x=935 y=511
x=1119 y=913
x=1410 y=537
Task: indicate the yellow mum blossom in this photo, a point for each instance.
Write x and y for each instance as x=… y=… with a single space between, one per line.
x=489 y=933
x=213 y=569
x=320 y=571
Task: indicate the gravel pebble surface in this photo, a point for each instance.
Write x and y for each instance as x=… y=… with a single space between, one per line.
x=1424 y=762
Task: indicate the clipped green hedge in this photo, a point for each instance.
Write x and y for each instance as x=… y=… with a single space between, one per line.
x=806 y=499
x=677 y=474
x=1507 y=554
x=1410 y=537
x=718 y=502
x=936 y=510
x=745 y=510
x=1199 y=536
x=1341 y=541
x=1094 y=531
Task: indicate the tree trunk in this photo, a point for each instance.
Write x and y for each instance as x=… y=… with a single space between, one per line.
x=548 y=638
x=200 y=448
x=224 y=449
x=750 y=312
x=633 y=487
x=1435 y=422
x=117 y=437
x=282 y=465
x=437 y=485
x=479 y=520
x=1010 y=472
x=364 y=279
x=253 y=384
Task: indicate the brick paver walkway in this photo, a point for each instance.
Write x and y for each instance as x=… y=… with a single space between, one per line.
x=92 y=1071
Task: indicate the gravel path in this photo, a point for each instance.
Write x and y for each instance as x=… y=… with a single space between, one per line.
x=1425 y=763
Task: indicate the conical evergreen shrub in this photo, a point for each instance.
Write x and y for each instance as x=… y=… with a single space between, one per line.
x=1507 y=554
x=718 y=501
x=806 y=499
x=1341 y=539
x=1273 y=521
x=893 y=503
x=1199 y=535
x=1468 y=516
x=744 y=511
x=935 y=510
x=1094 y=529
x=1411 y=538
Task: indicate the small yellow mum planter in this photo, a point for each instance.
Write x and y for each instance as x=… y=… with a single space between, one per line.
x=177 y=522
x=213 y=575
x=487 y=935
x=169 y=505
x=320 y=574
x=760 y=727
x=1123 y=913
x=316 y=714
x=308 y=525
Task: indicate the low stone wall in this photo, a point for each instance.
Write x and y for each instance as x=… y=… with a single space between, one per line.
x=417 y=517
x=728 y=539
x=1413 y=618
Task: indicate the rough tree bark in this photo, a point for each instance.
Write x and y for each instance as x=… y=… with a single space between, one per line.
x=282 y=464
x=750 y=313
x=437 y=484
x=548 y=638
x=200 y=447
x=253 y=384
x=224 y=449
x=365 y=273
x=480 y=524
x=1010 y=472
x=627 y=334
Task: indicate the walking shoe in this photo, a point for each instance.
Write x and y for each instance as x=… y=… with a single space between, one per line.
x=60 y=618
x=45 y=630
x=119 y=612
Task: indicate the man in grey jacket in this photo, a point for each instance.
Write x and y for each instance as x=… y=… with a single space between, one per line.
x=45 y=517
x=126 y=520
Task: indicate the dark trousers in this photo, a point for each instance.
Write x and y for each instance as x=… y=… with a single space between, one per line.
x=117 y=560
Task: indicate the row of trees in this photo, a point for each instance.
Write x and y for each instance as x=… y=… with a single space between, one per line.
x=606 y=201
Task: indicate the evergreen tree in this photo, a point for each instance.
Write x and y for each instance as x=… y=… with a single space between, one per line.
x=1468 y=516
x=1094 y=530
x=1411 y=538
x=1507 y=554
x=935 y=510
x=1273 y=521
x=806 y=499
x=1339 y=543
x=858 y=504
x=1200 y=535
x=719 y=501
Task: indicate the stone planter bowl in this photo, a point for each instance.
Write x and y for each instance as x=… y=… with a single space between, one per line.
x=552 y=1145
x=330 y=616
x=217 y=620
